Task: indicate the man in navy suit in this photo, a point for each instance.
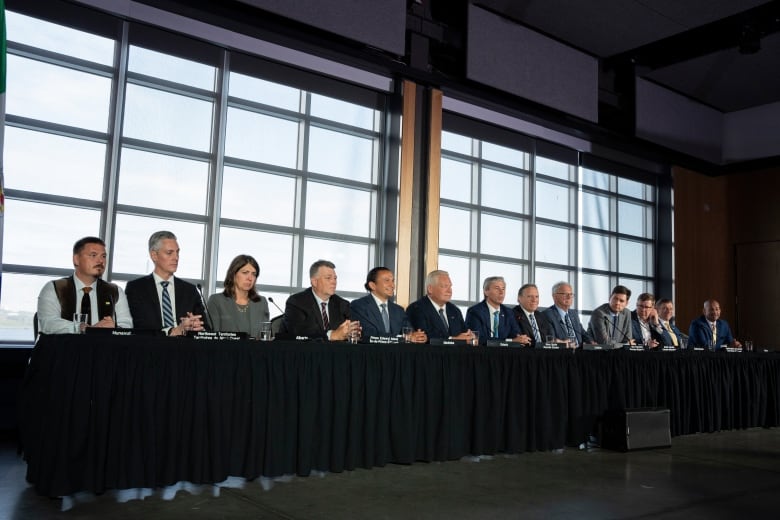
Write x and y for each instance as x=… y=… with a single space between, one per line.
x=709 y=330
x=565 y=320
x=531 y=321
x=318 y=312
x=490 y=318
x=159 y=300
x=434 y=313
x=671 y=334
x=377 y=314
x=645 y=323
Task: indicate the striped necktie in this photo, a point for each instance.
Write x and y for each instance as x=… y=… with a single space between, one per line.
x=495 y=324
x=167 y=307
x=325 y=320
x=534 y=326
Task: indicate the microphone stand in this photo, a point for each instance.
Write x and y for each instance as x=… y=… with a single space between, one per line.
x=205 y=308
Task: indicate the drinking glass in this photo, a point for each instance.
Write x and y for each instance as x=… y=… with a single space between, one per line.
x=79 y=323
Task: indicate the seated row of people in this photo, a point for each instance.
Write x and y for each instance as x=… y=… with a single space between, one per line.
x=155 y=301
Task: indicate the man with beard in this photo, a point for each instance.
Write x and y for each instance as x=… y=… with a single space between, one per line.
x=84 y=292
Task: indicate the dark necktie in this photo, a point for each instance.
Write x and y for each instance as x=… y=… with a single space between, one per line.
x=325 y=321
x=86 y=304
x=385 y=317
x=444 y=319
x=166 y=305
x=534 y=326
x=495 y=324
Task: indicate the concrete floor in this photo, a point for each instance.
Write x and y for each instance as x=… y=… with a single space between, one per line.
x=721 y=475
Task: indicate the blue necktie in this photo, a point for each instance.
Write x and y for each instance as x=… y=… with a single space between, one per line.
x=570 y=328
x=495 y=324
x=385 y=317
x=167 y=307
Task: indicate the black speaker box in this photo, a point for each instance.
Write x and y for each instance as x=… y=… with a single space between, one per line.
x=636 y=429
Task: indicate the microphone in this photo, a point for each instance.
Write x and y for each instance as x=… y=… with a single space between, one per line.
x=205 y=308
x=607 y=321
x=272 y=301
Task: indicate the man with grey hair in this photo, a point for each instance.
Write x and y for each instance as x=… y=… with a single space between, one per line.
x=490 y=318
x=565 y=320
x=160 y=301
x=434 y=313
x=318 y=312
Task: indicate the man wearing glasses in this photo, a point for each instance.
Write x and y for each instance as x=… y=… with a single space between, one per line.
x=647 y=327
x=565 y=320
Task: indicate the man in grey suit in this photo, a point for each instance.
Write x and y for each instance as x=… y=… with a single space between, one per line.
x=610 y=323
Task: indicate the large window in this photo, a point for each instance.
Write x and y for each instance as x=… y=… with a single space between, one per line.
x=124 y=130
x=535 y=212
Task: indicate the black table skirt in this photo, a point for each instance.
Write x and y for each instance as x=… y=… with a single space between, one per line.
x=100 y=413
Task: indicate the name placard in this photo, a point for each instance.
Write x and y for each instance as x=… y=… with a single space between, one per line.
x=205 y=335
x=384 y=340
x=498 y=343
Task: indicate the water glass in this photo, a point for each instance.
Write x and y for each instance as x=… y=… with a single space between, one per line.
x=79 y=323
x=549 y=340
x=407 y=334
x=748 y=347
x=353 y=334
x=266 y=334
x=475 y=338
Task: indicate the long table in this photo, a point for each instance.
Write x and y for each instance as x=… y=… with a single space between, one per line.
x=103 y=412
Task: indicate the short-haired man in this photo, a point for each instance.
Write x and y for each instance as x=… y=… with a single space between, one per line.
x=708 y=330
x=490 y=318
x=434 y=313
x=160 y=301
x=84 y=292
x=645 y=324
x=318 y=312
x=610 y=323
x=671 y=334
x=565 y=320
x=531 y=321
x=379 y=316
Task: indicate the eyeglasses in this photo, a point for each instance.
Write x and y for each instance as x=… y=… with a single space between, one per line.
x=565 y=294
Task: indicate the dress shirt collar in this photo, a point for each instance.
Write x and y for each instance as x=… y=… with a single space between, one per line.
x=158 y=279
x=437 y=306
x=379 y=301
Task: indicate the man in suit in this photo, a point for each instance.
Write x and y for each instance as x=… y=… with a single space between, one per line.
x=565 y=320
x=710 y=331
x=610 y=323
x=531 y=321
x=318 y=312
x=645 y=324
x=490 y=318
x=160 y=301
x=84 y=292
x=378 y=315
x=434 y=313
x=671 y=334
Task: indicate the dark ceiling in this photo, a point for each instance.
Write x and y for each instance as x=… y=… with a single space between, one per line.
x=723 y=53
